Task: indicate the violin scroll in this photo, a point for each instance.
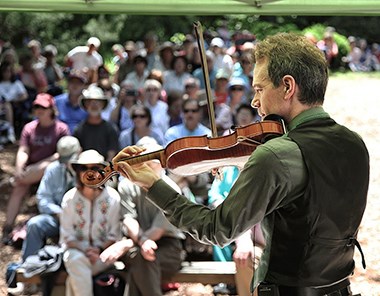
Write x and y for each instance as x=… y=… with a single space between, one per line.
x=96 y=178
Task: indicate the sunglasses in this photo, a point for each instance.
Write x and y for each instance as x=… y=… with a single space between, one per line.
x=152 y=89
x=139 y=116
x=190 y=110
x=83 y=167
x=237 y=88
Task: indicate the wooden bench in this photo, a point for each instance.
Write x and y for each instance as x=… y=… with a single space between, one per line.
x=204 y=272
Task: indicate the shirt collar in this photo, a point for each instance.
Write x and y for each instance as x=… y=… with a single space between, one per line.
x=307 y=115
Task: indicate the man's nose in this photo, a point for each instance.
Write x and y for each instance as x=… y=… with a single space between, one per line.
x=255 y=103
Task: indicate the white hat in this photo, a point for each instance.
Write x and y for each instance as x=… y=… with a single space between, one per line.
x=95 y=93
x=94 y=41
x=89 y=157
x=217 y=42
x=67 y=148
x=149 y=143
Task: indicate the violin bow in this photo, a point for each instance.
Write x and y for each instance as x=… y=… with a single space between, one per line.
x=202 y=52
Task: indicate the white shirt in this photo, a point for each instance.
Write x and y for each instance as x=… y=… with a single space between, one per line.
x=81 y=59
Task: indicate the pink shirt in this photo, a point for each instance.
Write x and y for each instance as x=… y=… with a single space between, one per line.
x=42 y=141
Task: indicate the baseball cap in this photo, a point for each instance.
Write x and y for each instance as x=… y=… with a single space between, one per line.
x=94 y=41
x=222 y=73
x=45 y=100
x=68 y=147
x=217 y=42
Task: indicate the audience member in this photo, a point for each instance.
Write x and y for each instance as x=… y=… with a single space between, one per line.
x=12 y=93
x=120 y=115
x=126 y=66
x=237 y=93
x=329 y=47
x=221 y=60
x=194 y=187
x=158 y=243
x=222 y=78
x=38 y=59
x=157 y=107
x=69 y=110
x=198 y=73
x=36 y=151
x=142 y=120
x=53 y=71
x=152 y=57
x=140 y=73
x=110 y=89
x=35 y=82
x=192 y=87
x=175 y=100
x=166 y=53
x=191 y=125
x=120 y=56
x=86 y=59
x=174 y=79
x=89 y=223
x=244 y=69
x=57 y=179
x=94 y=132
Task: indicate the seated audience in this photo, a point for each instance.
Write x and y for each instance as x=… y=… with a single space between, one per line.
x=38 y=146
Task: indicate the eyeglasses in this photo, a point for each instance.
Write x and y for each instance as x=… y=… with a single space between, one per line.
x=189 y=85
x=245 y=62
x=190 y=110
x=237 y=88
x=151 y=89
x=139 y=116
x=83 y=167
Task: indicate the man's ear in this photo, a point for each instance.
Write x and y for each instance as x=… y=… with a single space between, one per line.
x=289 y=85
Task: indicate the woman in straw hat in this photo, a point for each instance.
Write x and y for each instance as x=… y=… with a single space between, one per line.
x=90 y=222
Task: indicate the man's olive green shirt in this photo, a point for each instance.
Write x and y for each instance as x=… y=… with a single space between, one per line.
x=274 y=176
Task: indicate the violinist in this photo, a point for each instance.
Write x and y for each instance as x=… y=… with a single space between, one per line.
x=307 y=188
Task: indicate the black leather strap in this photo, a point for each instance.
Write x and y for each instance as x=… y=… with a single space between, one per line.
x=339 y=289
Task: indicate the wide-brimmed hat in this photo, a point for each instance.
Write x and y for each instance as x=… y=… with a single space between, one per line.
x=93 y=92
x=88 y=157
x=68 y=148
x=44 y=100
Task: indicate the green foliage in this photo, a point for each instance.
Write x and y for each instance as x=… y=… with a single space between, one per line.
x=318 y=31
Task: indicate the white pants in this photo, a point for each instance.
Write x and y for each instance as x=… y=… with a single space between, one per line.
x=80 y=271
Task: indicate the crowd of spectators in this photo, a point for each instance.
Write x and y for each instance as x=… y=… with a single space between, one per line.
x=157 y=90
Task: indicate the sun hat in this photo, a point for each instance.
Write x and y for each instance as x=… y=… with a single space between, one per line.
x=45 y=100
x=93 y=92
x=88 y=157
x=68 y=148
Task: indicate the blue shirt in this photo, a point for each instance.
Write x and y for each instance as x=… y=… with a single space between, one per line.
x=68 y=113
x=54 y=184
x=180 y=131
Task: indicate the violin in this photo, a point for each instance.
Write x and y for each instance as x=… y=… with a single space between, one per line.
x=198 y=154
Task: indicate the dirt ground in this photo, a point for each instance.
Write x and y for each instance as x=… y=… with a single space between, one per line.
x=354 y=102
